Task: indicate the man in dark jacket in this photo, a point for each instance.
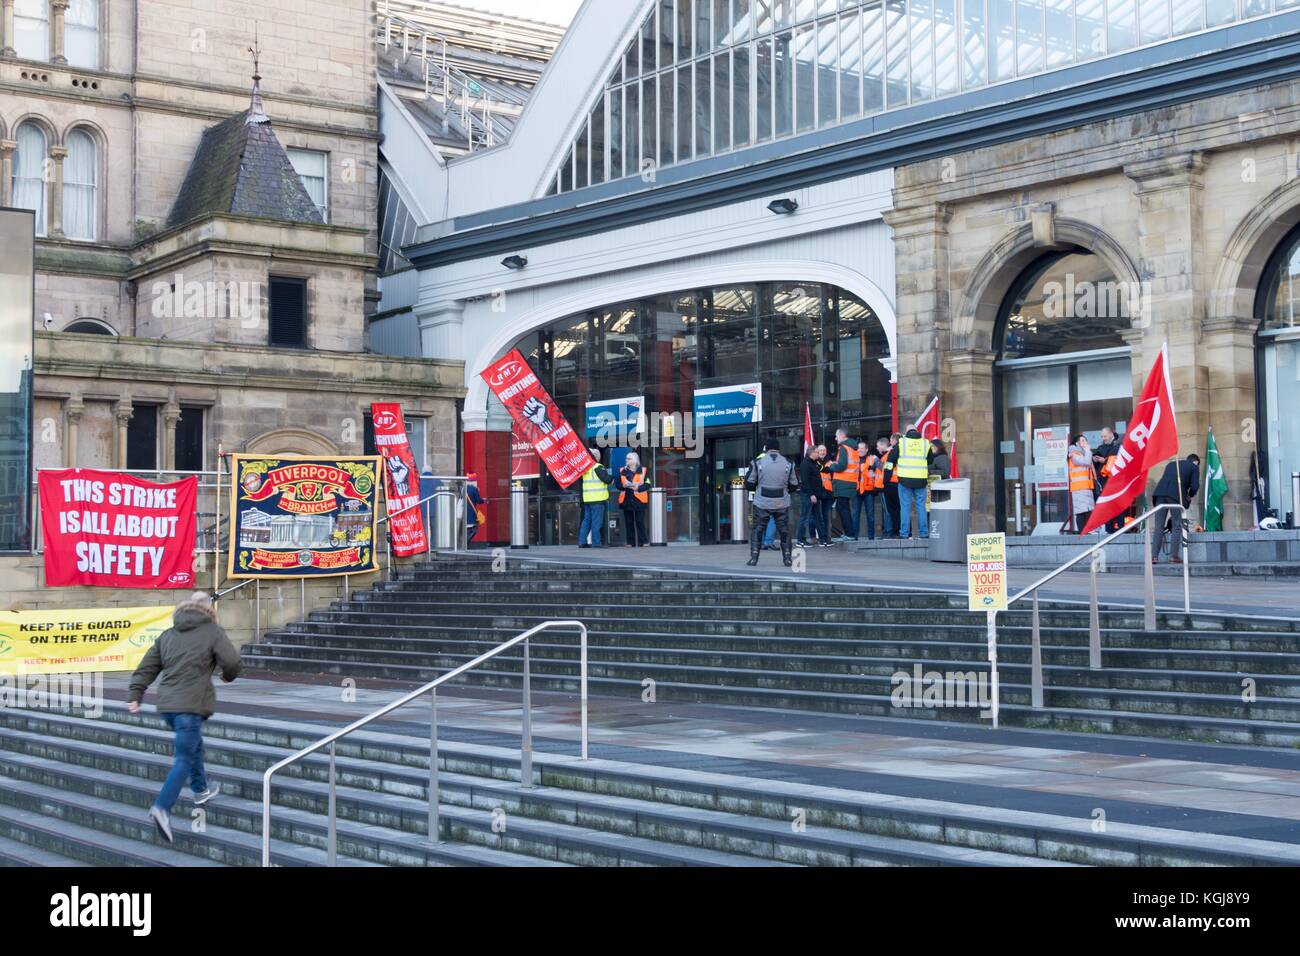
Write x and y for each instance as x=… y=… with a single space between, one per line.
x=1178 y=486
x=771 y=478
x=812 y=521
x=185 y=656
x=1101 y=461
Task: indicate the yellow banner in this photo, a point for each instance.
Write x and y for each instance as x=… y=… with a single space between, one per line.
x=58 y=642
x=986 y=571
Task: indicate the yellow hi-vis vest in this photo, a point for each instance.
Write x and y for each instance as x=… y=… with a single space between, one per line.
x=912 y=455
x=593 y=489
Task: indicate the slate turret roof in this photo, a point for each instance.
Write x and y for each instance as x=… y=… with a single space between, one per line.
x=240 y=168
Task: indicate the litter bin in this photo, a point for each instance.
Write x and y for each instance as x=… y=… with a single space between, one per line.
x=444 y=520
x=658 y=518
x=949 y=519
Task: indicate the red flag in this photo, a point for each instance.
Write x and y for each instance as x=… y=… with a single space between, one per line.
x=928 y=423
x=1152 y=437
x=954 y=472
x=807 y=428
x=401 y=480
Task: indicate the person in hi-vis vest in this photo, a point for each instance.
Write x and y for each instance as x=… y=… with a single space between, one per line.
x=633 y=497
x=595 y=498
x=911 y=464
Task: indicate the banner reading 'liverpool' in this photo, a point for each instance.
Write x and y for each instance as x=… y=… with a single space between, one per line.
x=106 y=529
x=538 y=419
x=402 y=481
x=295 y=517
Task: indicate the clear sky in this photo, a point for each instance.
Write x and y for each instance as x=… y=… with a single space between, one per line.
x=548 y=11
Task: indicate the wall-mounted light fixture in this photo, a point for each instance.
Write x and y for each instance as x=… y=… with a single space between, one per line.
x=783 y=207
x=514 y=262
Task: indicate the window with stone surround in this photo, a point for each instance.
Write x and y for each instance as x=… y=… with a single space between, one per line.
x=81 y=34
x=287 y=312
x=32 y=29
x=312 y=168
x=30 y=172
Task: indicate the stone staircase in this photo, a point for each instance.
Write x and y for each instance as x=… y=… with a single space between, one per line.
x=73 y=792
x=782 y=643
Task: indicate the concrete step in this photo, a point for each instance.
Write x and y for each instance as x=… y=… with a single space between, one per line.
x=14 y=853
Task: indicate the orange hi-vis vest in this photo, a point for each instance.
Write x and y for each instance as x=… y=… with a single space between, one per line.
x=641 y=496
x=1108 y=469
x=872 y=476
x=826 y=480
x=1080 y=477
x=851 y=472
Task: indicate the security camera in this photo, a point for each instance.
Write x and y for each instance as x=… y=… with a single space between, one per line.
x=49 y=322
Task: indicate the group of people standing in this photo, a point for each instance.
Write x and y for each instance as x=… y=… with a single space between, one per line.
x=633 y=483
x=895 y=475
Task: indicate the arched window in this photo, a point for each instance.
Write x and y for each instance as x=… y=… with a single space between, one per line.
x=29 y=172
x=32 y=29
x=1063 y=367
x=80 y=171
x=90 y=327
x=81 y=34
x=1278 y=364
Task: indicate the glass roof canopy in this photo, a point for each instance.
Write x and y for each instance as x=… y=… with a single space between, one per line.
x=704 y=77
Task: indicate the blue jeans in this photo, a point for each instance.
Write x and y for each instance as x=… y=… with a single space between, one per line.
x=812 y=520
x=593 y=522
x=906 y=497
x=188 y=761
x=866 y=505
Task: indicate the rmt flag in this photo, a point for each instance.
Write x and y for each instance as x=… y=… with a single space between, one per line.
x=1152 y=437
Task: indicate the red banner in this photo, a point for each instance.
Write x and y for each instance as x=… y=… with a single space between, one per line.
x=401 y=481
x=1152 y=437
x=105 y=529
x=538 y=419
x=523 y=460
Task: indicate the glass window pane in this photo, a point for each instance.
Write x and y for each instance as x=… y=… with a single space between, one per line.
x=685 y=23
x=16 y=309
x=649 y=44
x=1187 y=16
x=763 y=17
x=703 y=108
x=1060 y=32
x=616 y=133
x=1090 y=29
x=1219 y=11
x=1069 y=303
x=1154 y=16
x=974 y=45
x=598 y=143
x=667 y=128
x=81 y=34
x=632 y=61
x=850 y=66
x=763 y=88
x=703 y=26
x=783 y=84
x=742 y=26
x=1121 y=25
x=721 y=23
x=873 y=58
x=685 y=113
x=740 y=96
x=721 y=102
x=29 y=173
x=896 y=38
x=582 y=157
x=1002 y=40
x=649 y=124
x=920 y=24
x=667 y=44
x=1029 y=33
x=828 y=69
x=32 y=29
x=805 y=106
x=632 y=131
x=566 y=172
x=945 y=47
x=782 y=11
x=1254 y=8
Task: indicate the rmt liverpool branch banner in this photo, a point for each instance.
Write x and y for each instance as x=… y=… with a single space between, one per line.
x=294 y=517
x=402 y=488
x=538 y=419
x=103 y=529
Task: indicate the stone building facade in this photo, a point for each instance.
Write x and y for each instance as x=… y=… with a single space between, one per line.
x=162 y=288
x=1187 y=203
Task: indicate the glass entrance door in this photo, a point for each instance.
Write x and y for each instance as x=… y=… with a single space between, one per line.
x=1281 y=360
x=726 y=457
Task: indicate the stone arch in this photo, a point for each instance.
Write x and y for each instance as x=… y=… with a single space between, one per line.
x=291 y=441
x=1249 y=248
x=975 y=318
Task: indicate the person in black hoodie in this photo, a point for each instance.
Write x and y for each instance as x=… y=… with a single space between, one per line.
x=812 y=521
x=185 y=656
x=1102 y=457
x=1178 y=486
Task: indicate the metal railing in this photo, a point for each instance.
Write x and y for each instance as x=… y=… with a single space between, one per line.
x=431 y=688
x=1095 y=553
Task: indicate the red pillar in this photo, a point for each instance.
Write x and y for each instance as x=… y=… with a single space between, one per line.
x=488 y=455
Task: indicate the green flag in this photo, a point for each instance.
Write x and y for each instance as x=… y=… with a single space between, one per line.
x=1216 y=486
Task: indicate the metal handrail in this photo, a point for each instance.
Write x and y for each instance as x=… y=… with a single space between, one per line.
x=431 y=688
x=1094 y=610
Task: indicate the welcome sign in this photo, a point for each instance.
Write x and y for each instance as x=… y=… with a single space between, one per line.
x=297 y=517
x=729 y=405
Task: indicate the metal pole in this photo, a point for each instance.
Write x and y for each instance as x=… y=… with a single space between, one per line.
x=1020 y=508
x=1036 y=661
x=347 y=587
x=582 y=669
x=526 y=745
x=266 y=822
x=332 y=855
x=1149 y=612
x=993 y=664
x=1187 y=573
x=1094 y=619
x=216 y=529
x=257 y=609
x=1295 y=499
x=435 y=794
x=388 y=540
x=302 y=596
